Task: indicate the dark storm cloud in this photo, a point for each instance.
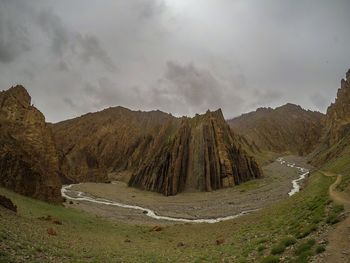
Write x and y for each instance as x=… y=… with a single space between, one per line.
x=179 y=56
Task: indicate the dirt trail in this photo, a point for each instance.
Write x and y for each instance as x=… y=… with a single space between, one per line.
x=338 y=249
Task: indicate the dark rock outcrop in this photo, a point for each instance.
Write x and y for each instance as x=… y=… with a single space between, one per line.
x=200 y=153
x=285 y=129
x=7 y=203
x=28 y=159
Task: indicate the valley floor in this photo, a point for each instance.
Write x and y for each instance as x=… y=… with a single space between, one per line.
x=248 y=196
x=286 y=230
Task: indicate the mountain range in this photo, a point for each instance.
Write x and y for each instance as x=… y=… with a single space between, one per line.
x=156 y=151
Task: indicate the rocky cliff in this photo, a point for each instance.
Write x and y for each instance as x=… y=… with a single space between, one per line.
x=99 y=144
x=338 y=113
x=28 y=159
x=285 y=129
x=336 y=138
x=200 y=153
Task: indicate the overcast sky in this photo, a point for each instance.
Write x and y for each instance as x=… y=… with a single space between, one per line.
x=178 y=56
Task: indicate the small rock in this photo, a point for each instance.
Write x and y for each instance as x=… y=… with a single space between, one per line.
x=145 y=212
x=127 y=241
x=70 y=202
x=56 y=222
x=220 y=241
x=7 y=203
x=180 y=244
x=157 y=228
x=51 y=232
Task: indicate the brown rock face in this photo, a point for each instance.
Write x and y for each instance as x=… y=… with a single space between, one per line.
x=338 y=113
x=200 y=153
x=336 y=138
x=288 y=128
x=97 y=144
x=28 y=158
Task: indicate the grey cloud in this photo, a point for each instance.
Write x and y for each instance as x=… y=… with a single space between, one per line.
x=176 y=56
x=59 y=35
x=91 y=48
x=14 y=35
x=149 y=8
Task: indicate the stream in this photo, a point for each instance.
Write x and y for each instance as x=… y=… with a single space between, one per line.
x=81 y=196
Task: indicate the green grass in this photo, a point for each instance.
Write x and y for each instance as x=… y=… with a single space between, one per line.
x=339 y=161
x=270 y=259
x=85 y=238
x=334 y=213
x=320 y=249
x=278 y=249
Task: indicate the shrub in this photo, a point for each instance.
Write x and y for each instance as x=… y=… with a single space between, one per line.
x=278 y=249
x=288 y=241
x=305 y=247
x=320 y=249
x=306 y=230
x=270 y=259
x=261 y=248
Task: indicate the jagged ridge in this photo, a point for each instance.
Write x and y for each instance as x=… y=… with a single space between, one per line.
x=199 y=153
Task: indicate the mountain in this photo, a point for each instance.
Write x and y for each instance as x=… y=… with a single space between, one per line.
x=97 y=144
x=29 y=162
x=158 y=151
x=285 y=129
x=335 y=143
x=338 y=113
x=199 y=153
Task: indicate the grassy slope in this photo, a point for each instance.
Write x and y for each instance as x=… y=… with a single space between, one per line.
x=339 y=161
x=85 y=238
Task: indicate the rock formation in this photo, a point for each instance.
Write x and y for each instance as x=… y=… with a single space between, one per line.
x=336 y=136
x=99 y=144
x=28 y=159
x=200 y=153
x=338 y=113
x=286 y=129
x=160 y=152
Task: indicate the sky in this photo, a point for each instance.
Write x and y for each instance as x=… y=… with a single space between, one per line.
x=179 y=56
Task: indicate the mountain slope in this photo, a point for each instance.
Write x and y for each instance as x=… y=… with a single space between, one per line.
x=199 y=153
x=112 y=140
x=285 y=129
x=28 y=159
x=333 y=152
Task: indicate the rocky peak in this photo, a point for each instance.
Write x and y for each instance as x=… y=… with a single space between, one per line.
x=338 y=113
x=28 y=158
x=199 y=153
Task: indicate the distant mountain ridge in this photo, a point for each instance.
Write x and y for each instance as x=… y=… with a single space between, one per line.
x=285 y=129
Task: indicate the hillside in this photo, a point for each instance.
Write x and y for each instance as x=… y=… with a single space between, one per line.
x=112 y=140
x=28 y=159
x=285 y=129
x=333 y=152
